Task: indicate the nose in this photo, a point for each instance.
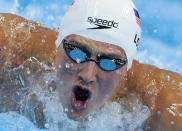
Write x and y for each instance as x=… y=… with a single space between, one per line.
x=88 y=74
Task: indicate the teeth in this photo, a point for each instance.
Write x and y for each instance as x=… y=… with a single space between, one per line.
x=77 y=104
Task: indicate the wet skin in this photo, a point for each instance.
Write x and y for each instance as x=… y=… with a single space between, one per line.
x=163 y=96
x=88 y=76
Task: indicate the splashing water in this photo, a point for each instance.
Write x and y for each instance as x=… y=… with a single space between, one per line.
x=11 y=121
x=113 y=116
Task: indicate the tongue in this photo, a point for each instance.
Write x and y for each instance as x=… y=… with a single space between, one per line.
x=78 y=105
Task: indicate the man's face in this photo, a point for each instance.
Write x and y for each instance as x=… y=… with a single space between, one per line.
x=84 y=87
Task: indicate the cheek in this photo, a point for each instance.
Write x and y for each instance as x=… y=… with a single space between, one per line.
x=67 y=71
x=109 y=81
x=65 y=66
x=111 y=78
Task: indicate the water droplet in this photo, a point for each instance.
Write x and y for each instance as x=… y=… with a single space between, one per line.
x=12 y=35
x=78 y=60
x=46 y=125
x=51 y=89
x=111 y=49
x=67 y=65
x=158 y=112
x=90 y=118
x=46 y=82
x=43 y=41
x=124 y=89
x=59 y=66
x=118 y=72
x=66 y=109
x=21 y=80
x=5 y=47
x=155 y=30
x=172 y=122
x=168 y=77
x=144 y=109
x=180 y=114
x=21 y=66
x=18 y=93
x=28 y=71
x=134 y=107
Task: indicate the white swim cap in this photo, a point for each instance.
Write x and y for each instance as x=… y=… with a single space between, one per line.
x=111 y=21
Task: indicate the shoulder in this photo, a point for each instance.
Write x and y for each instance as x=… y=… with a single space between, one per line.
x=21 y=38
x=161 y=91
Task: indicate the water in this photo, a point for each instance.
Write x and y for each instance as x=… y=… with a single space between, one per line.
x=38 y=91
x=12 y=121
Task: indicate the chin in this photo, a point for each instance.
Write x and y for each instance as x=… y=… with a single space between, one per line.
x=77 y=115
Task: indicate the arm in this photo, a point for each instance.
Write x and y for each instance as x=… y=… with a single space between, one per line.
x=23 y=42
x=161 y=91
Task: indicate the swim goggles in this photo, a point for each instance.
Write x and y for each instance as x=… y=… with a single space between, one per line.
x=79 y=54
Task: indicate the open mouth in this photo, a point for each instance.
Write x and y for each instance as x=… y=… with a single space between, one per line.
x=80 y=98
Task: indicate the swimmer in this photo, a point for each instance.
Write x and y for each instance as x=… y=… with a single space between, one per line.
x=97 y=43
x=95 y=64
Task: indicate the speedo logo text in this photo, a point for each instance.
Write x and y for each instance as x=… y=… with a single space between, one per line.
x=102 y=24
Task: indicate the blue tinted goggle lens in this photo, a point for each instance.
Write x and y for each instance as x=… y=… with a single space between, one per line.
x=107 y=64
x=79 y=56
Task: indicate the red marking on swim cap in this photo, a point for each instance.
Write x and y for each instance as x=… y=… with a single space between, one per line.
x=72 y=3
x=137 y=17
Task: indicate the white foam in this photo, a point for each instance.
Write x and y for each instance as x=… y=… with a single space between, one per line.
x=11 y=121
